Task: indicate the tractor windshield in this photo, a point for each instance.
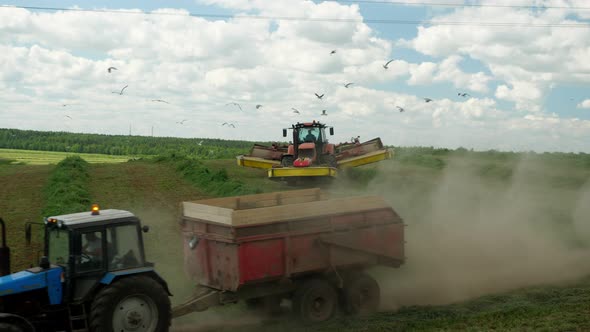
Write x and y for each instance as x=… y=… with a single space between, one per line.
x=309 y=134
x=59 y=246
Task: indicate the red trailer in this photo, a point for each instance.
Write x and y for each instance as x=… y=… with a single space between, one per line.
x=300 y=245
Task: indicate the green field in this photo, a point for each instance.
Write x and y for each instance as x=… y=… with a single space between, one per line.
x=493 y=243
x=31 y=157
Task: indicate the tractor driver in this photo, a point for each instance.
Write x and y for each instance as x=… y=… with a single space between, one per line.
x=92 y=247
x=310 y=137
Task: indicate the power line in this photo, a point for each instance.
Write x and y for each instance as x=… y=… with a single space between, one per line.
x=433 y=4
x=312 y=19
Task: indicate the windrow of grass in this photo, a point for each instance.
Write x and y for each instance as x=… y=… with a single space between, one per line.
x=211 y=182
x=67 y=188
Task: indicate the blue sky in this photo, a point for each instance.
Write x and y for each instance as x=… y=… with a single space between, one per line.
x=527 y=86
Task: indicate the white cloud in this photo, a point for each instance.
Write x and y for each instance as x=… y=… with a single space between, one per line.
x=200 y=65
x=584 y=104
x=528 y=61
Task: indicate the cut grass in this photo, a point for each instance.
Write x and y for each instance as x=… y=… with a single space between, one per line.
x=153 y=192
x=48 y=157
x=21 y=201
x=546 y=308
x=66 y=191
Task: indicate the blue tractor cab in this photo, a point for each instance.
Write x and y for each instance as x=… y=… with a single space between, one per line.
x=93 y=277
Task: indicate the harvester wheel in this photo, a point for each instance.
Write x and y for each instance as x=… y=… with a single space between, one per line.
x=361 y=295
x=287 y=161
x=137 y=303
x=316 y=300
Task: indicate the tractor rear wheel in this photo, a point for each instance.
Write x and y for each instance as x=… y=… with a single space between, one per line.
x=316 y=300
x=9 y=327
x=361 y=295
x=137 y=303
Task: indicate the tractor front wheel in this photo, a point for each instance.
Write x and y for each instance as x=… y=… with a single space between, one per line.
x=137 y=303
x=287 y=161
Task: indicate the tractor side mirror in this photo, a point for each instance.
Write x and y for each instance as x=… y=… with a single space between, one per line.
x=331 y=130
x=145 y=228
x=284 y=132
x=28 y=232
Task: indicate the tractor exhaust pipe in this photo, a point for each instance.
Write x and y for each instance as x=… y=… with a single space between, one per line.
x=4 y=253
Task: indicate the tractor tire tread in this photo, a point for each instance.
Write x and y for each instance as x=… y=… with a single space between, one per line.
x=104 y=301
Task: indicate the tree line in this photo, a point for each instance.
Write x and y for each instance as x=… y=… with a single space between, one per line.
x=205 y=148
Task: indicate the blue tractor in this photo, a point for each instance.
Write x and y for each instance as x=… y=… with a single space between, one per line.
x=93 y=277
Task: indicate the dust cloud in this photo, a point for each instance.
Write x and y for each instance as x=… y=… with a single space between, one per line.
x=469 y=234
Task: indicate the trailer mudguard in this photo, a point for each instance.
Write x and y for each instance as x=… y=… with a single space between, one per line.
x=32 y=279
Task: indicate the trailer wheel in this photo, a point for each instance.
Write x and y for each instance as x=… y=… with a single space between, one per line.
x=316 y=300
x=361 y=295
x=137 y=303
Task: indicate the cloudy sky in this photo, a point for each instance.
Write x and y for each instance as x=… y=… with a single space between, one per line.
x=523 y=64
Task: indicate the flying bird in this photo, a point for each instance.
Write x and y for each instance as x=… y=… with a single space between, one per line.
x=295 y=110
x=401 y=109
x=427 y=100
x=387 y=64
x=324 y=112
x=121 y=92
x=333 y=52
x=200 y=143
x=348 y=84
x=160 y=101
x=319 y=96
x=258 y=106
x=182 y=122
x=228 y=124
x=110 y=69
x=234 y=103
x=463 y=94
x=67 y=116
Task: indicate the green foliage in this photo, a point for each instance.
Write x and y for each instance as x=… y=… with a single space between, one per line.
x=6 y=161
x=66 y=190
x=121 y=145
x=213 y=182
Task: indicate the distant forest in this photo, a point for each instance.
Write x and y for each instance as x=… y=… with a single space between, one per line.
x=121 y=144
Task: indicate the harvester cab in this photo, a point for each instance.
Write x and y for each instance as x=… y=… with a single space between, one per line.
x=309 y=146
x=90 y=261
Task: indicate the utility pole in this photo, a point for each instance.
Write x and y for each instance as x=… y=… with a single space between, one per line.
x=152 y=131
x=129 y=130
